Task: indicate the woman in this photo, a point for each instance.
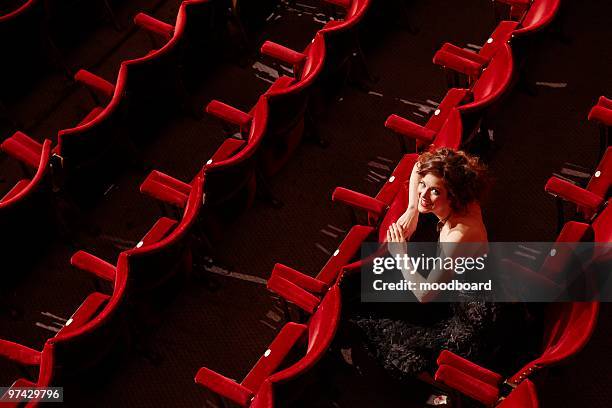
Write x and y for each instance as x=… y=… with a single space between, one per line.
x=448 y=184
x=406 y=338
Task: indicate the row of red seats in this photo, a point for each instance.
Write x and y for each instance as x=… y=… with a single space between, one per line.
x=571 y=323
x=165 y=249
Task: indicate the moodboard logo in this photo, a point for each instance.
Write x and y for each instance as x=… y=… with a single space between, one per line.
x=494 y=272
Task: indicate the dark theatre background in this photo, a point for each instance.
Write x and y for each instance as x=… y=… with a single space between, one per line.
x=159 y=158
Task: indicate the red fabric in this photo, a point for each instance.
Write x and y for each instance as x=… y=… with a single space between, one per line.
x=539 y=15
x=166 y=189
x=494 y=81
x=348 y=249
x=601 y=114
x=159 y=231
x=282 y=53
x=397 y=208
x=501 y=35
x=285 y=340
x=23 y=148
x=468 y=385
x=95 y=83
x=523 y=396
x=573 y=193
x=322 y=328
x=358 y=200
x=453 y=98
x=92 y=264
x=463 y=53
x=408 y=128
x=467 y=66
x=304 y=281
x=469 y=368
x=400 y=176
x=20 y=383
x=602 y=226
x=601 y=180
x=451 y=133
x=573 y=326
x=293 y=293
x=19 y=353
x=17 y=188
x=154 y=25
x=543 y=283
x=88 y=309
x=224 y=386
x=281 y=83
x=91 y=115
x=227 y=150
x=264 y=397
x=229 y=113
x=604 y=102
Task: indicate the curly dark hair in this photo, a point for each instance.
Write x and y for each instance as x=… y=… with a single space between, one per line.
x=464 y=175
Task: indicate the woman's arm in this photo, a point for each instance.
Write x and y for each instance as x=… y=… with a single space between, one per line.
x=409 y=219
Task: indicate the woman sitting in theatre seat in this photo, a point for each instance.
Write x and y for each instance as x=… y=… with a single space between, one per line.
x=406 y=338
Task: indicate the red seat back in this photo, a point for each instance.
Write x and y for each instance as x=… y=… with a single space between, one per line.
x=539 y=15
x=568 y=328
x=494 y=81
x=227 y=179
x=83 y=347
x=151 y=265
x=322 y=328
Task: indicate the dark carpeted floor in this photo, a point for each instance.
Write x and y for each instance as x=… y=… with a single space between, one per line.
x=224 y=318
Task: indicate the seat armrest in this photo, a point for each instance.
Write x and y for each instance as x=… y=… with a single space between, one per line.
x=472 y=369
x=410 y=129
x=532 y=282
x=293 y=293
x=571 y=192
x=458 y=63
x=92 y=264
x=95 y=83
x=604 y=102
x=359 y=200
x=153 y=25
x=19 y=354
x=229 y=114
x=280 y=52
x=224 y=386
x=304 y=281
x=601 y=114
x=463 y=53
x=467 y=385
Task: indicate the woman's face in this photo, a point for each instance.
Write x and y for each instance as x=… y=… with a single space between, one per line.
x=433 y=196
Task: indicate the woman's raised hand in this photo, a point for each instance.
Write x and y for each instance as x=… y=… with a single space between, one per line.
x=395 y=233
x=408 y=223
